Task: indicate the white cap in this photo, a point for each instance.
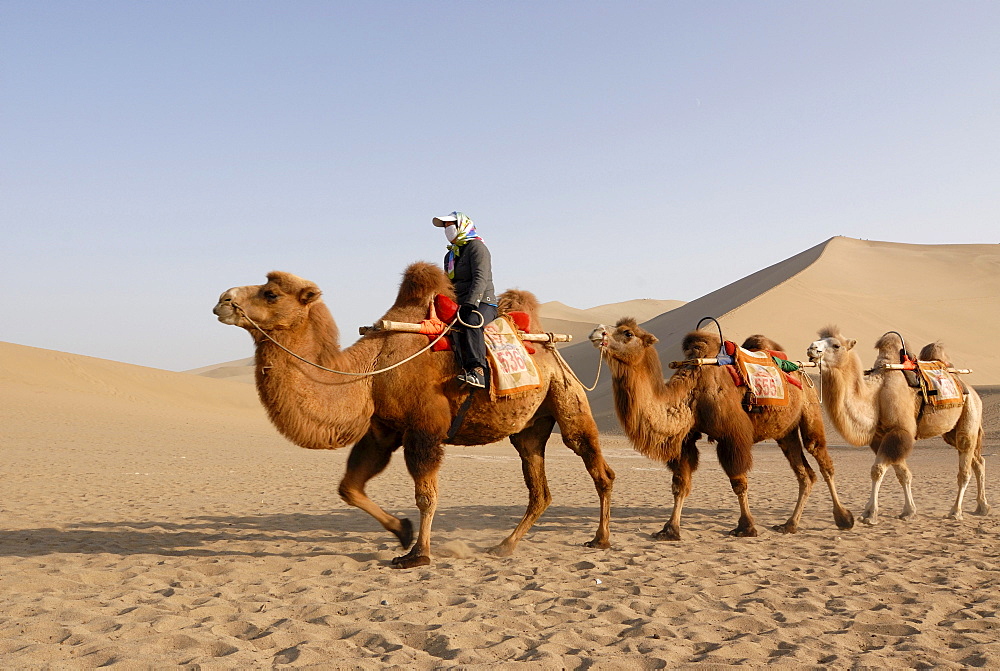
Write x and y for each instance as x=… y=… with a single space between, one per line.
x=441 y=222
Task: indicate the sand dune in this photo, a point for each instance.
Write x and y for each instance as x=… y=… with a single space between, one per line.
x=926 y=292
x=559 y=318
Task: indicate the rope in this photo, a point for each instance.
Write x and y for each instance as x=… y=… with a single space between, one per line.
x=565 y=364
x=341 y=372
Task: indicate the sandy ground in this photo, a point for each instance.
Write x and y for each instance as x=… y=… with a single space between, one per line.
x=228 y=547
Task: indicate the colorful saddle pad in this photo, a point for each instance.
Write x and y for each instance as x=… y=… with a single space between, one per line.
x=512 y=370
x=940 y=388
x=764 y=378
x=443 y=310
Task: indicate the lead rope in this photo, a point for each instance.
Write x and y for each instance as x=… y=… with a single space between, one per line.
x=341 y=372
x=565 y=365
x=819 y=366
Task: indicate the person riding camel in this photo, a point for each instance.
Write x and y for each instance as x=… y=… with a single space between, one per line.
x=470 y=269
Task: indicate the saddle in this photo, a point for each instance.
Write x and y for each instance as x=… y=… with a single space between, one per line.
x=764 y=375
x=444 y=309
x=938 y=387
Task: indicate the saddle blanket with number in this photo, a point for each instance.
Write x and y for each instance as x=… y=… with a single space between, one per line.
x=764 y=378
x=940 y=387
x=513 y=370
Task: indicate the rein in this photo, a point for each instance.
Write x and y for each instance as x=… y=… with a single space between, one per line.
x=342 y=372
x=600 y=360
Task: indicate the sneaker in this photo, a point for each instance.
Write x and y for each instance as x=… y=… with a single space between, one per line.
x=474 y=378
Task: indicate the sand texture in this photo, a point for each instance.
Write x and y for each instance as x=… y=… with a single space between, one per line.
x=153 y=519
x=236 y=551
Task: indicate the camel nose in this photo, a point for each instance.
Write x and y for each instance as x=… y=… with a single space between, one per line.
x=225 y=302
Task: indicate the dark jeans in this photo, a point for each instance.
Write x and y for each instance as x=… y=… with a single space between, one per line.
x=470 y=344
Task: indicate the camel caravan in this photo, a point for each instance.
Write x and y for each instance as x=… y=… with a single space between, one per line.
x=397 y=387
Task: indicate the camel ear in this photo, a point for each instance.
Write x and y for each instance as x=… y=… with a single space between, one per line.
x=649 y=339
x=851 y=343
x=309 y=294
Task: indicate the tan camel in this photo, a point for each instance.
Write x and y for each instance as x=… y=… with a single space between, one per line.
x=881 y=410
x=418 y=405
x=664 y=419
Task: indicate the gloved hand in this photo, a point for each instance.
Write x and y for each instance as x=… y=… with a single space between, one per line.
x=469 y=314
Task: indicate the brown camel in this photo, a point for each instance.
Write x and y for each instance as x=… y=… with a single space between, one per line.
x=880 y=409
x=418 y=405
x=664 y=419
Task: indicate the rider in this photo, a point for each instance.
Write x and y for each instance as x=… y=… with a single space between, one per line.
x=469 y=267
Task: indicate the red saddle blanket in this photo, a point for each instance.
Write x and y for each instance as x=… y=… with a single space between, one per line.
x=444 y=310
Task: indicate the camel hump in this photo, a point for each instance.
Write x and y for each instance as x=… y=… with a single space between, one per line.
x=519 y=300
x=700 y=345
x=421 y=281
x=934 y=352
x=890 y=343
x=761 y=343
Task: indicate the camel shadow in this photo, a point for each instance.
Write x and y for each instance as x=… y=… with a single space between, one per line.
x=321 y=533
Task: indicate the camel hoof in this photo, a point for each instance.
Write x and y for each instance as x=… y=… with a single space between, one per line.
x=501 y=550
x=844 y=519
x=869 y=521
x=957 y=516
x=405 y=533
x=750 y=532
x=598 y=543
x=786 y=528
x=667 y=535
x=411 y=561
x=983 y=509
x=908 y=516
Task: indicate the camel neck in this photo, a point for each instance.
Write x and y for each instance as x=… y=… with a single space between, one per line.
x=311 y=407
x=656 y=416
x=850 y=399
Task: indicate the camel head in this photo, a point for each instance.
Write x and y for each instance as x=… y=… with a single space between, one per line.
x=283 y=303
x=626 y=343
x=831 y=348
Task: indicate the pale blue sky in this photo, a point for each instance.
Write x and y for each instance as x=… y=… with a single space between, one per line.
x=153 y=154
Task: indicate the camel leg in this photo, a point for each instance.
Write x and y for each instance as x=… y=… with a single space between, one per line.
x=814 y=439
x=423 y=455
x=682 y=469
x=368 y=458
x=791 y=446
x=979 y=469
x=891 y=449
x=905 y=478
x=965 y=458
x=580 y=435
x=736 y=461
x=870 y=515
x=970 y=460
x=530 y=445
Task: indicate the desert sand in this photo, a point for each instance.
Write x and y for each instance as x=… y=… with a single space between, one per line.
x=154 y=519
x=150 y=518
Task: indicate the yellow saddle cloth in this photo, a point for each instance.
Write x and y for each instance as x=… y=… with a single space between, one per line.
x=513 y=370
x=940 y=388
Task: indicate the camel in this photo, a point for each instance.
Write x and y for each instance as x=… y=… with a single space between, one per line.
x=880 y=409
x=418 y=406
x=664 y=419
